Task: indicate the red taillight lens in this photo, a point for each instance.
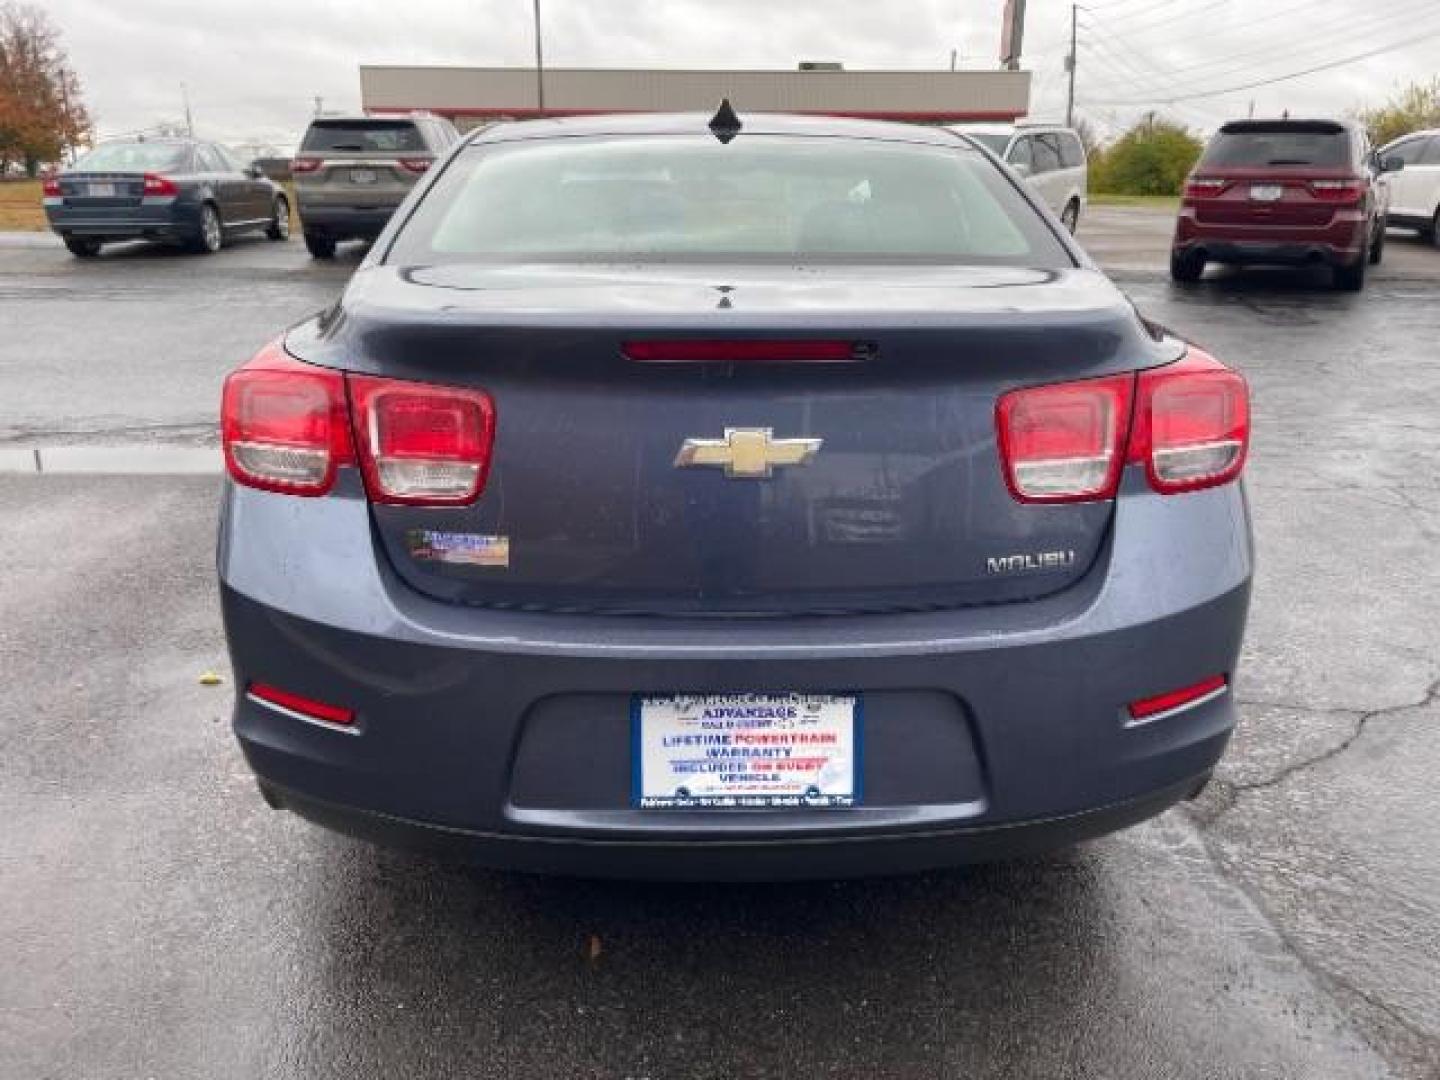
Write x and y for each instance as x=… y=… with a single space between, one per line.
x=744 y=350
x=308 y=708
x=1204 y=187
x=1192 y=426
x=159 y=185
x=1153 y=707
x=283 y=424
x=304 y=165
x=1065 y=443
x=1338 y=191
x=50 y=187
x=421 y=444
x=416 y=165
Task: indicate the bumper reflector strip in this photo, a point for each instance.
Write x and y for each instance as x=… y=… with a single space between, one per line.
x=305 y=708
x=1152 y=707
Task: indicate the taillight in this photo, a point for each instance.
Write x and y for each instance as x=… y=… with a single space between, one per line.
x=283 y=424
x=1065 y=442
x=304 y=165
x=1192 y=424
x=50 y=187
x=422 y=444
x=160 y=185
x=1205 y=186
x=416 y=165
x=744 y=350
x=1338 y=191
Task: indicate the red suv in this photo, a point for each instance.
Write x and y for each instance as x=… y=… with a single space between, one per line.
x=1286 y=192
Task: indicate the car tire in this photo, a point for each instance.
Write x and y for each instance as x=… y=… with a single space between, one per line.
x=319 y=245
x=1070 y=216
x=1352 y=278
x=1186 y=266
x=82 y=248
x=279 y=227
x=1377 y=245
x=211 y=237
x=1434 y=236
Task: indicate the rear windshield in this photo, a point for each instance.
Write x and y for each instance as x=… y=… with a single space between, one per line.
x=135 y=157
x=367 y=136
x=690 y=198
x=1278 y=146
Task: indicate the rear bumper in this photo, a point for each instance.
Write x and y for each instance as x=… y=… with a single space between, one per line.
x=990 y=732
x=153 y=218
x=343 y=222
x=1340 y=243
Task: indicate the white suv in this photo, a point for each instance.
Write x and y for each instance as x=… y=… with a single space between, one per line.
x=1049 y=156
x=1415 y=187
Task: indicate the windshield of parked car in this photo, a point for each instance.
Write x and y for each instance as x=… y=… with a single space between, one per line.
x=1259 y=147
x=135 y=157
x=368 y=136
x=762 y=197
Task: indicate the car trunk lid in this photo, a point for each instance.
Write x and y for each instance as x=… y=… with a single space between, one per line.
x=589 y=505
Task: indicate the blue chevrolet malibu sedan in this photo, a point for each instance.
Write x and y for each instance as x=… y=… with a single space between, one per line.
x=182 y=191
x=758 y=497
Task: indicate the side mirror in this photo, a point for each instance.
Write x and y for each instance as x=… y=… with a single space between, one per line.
x=254 y=171
x=1392 y=163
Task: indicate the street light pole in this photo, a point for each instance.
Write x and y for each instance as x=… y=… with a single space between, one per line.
x=539 y=63
x=1070 y=63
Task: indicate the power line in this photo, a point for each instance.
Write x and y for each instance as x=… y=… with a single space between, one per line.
x=1413 y=39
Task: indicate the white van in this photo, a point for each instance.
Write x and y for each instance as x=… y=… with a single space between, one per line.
x=1415 y=187
x=1049 y=156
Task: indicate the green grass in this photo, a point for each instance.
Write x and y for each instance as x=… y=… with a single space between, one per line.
x=1157 y=202
x=20 y=206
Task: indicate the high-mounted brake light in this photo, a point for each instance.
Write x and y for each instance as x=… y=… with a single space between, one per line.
x=304 y=165
x=1205 y=186
x=1192 y=424
x=1338 y=191
x=416 y=165
x=1065 y=442
x=283 y=424
x=306 y=708
x=422 y=444
x=159 y=185
x=50 y=187
x=744 y=350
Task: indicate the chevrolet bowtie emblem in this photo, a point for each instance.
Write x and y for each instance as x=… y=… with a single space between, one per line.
x=746 y=453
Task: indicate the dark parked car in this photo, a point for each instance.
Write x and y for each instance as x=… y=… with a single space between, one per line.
x=178 y=190
x=1283 y=192
x=674 y=499
x=353 y=171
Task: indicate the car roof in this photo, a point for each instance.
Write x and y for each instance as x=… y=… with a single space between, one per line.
x=698 y=124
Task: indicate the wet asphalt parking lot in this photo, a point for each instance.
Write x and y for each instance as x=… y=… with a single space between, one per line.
x=158 y=921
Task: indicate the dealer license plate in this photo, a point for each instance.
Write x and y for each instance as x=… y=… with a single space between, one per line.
x=745 y=751
x=362 y=176
x=102 y=191
x=1266 y=192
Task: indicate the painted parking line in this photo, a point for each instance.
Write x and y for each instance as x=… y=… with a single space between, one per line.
x=147 y=459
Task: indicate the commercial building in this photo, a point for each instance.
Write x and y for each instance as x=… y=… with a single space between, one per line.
x=476 y=95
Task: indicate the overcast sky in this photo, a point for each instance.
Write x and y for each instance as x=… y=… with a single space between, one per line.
x=253 y=67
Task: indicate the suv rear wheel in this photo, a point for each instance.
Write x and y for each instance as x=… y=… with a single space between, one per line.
x=1186 y=266
x=82 y=248
x=1352 y=278
x=1377 y=245
x=319 y=245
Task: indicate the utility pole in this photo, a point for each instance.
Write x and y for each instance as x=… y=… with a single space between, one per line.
x=954 y=55
x=189 y=121
x=1070 y=65
x=539 y=63
x=319 y=104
